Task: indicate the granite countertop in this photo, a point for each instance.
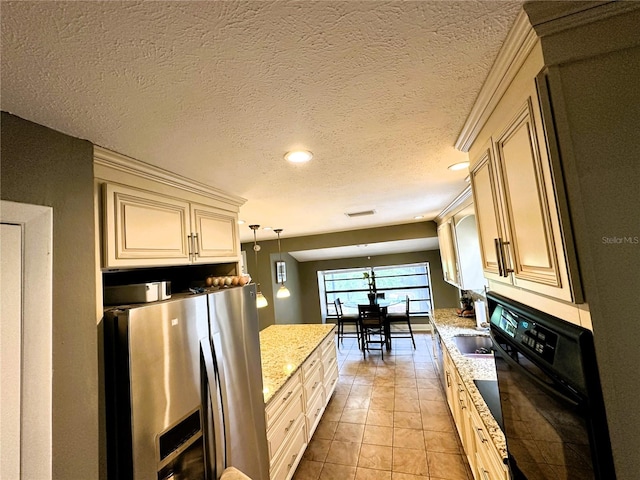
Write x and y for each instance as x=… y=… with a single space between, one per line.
x=448 y=324
x=284 y=348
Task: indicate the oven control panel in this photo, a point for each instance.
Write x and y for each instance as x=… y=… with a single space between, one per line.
x=538 y=339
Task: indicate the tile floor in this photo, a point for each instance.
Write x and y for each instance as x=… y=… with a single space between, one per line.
x=387 y=420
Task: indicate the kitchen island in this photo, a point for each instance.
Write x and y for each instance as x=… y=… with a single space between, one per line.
x=299 y=375
x=460 y=372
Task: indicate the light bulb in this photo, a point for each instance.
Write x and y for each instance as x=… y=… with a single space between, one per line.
x=283 y=292
x=261 y=300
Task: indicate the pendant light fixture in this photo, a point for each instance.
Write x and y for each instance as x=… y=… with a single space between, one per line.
x=283 y=292
x=261 y=301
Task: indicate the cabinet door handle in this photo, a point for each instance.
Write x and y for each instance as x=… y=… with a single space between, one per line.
x=190 y=240
x=196 y=249
x=315 y=385
x=485 y=474
x=290 y=425
x=317 y=413
x=293 y=459
x=496 y=243
x=480 y=435
x=462 y=405
x=287 y=396
x=448 y=381
x=505 y=268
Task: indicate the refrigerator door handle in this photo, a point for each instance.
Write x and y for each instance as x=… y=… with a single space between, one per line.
x=213 y=390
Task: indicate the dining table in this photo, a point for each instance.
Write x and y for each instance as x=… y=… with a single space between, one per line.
x=384 y=309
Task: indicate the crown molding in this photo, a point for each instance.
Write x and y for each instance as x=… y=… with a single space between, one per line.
x=117 y=161
x=457 y=202
x=517 y=46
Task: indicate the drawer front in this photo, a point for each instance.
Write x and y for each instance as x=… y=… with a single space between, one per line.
x=330 y=380
x=314 y=411
x=283 y=427
x=279 y=401
x=328 y=346
x=312 y=363
x=313 y=383
x=283 y=467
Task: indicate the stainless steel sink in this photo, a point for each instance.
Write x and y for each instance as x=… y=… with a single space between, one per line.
x=473 y=345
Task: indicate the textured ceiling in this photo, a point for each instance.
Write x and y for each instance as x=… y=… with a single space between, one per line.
x=219 y=91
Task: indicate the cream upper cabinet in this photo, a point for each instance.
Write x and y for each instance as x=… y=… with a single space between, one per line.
x=518 y=217
x=142 y=228
x=213 y=233
x=458 y=241
x=448 y=253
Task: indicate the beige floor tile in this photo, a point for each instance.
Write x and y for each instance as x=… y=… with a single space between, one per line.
x=361 y=390
x=378 y=435
x=407 y=476
x=389 y=381
x=405 y=372
x=354 y=415
x=383 y=391
x=433 y=394
x=375 y=456
x=317 y=450
x=408 y=438
x=357 y=401
x=308 y=470
x=405 y=382
x=426 y=374
x=381 y=418
x=434 y=407
x=407 y=420
x=382 y=403
x=447 y=466
x=331 y=471
x=407 y=392
x=410 y=461
x=364 y=380
x=349 y=432
x=338 y=400
x=371 y=474
x=404 y=404
x=443 y=442
x=326 y=429
x=438 y=423
x=343 y=453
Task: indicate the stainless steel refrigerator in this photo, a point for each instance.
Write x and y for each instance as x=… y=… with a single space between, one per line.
x=184 y=388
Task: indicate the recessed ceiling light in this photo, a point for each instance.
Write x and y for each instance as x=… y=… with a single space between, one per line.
x=459 y=166
x=267 y=228
x=418 y=217
x=298 y=156
x=240 y=222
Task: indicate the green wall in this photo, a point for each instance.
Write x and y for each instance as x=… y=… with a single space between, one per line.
x=44 y=167
x=304 y=304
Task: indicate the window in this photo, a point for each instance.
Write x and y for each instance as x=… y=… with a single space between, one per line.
x=393 y=283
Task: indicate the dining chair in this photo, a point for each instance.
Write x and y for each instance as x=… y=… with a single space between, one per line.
x=343 y=320
x=401 y=317
x=372 y=328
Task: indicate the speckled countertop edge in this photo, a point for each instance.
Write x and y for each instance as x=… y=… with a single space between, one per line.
x=284 y=348
x=448 y=324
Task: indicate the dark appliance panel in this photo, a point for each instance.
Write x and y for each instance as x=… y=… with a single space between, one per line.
x=551 y=401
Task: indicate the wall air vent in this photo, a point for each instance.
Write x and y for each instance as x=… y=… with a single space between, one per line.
x=360 y=214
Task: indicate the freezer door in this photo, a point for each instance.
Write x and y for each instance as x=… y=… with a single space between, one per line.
x=234 y=328
x=165 y=382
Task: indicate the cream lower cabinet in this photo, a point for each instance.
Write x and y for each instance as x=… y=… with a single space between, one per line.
x=513 y=182
x=294 y=412
x=143 y=228
x=483 y=457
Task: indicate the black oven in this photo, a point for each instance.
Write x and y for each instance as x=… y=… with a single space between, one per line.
x=552 y=407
